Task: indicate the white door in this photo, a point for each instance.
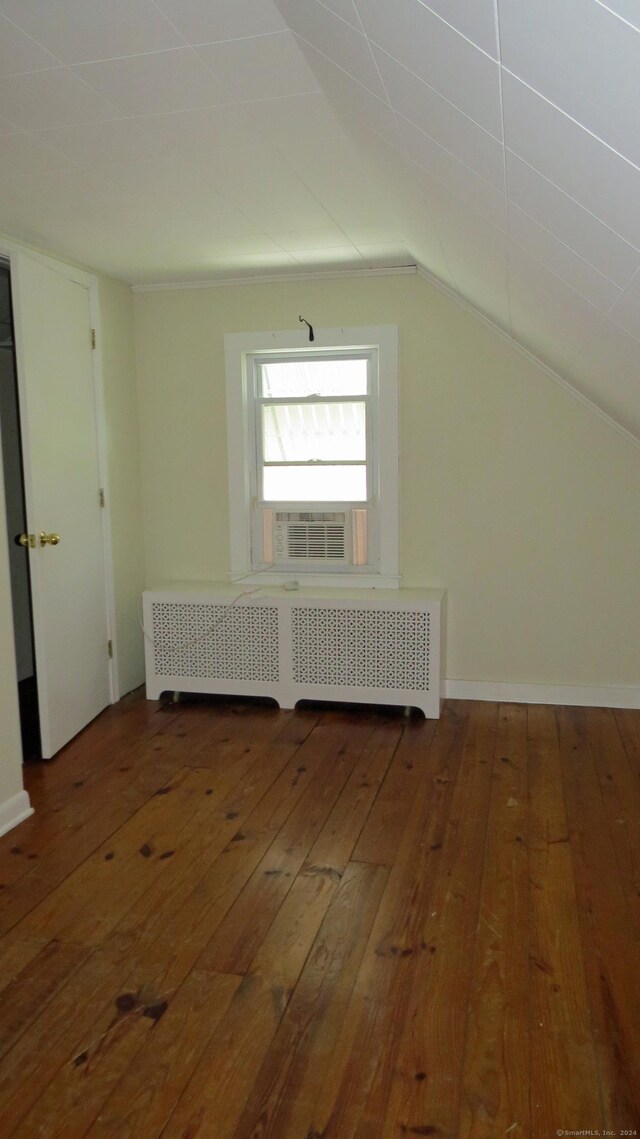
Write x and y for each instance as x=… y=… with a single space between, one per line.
x=62 y=487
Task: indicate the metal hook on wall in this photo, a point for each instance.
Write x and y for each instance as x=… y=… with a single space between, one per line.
x=309 y=326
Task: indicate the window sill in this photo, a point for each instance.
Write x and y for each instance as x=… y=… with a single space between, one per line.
x=337 y=580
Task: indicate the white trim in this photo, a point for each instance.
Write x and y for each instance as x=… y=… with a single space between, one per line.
x=580 y=695
x=9 y=249
x=279 y=278
x=103 y=466
x=335 y=580
x=396 y=270
x=569 y=388
x=14 y=810
x=239 y=346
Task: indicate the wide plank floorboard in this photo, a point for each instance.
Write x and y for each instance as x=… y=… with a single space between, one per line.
x=227 y=921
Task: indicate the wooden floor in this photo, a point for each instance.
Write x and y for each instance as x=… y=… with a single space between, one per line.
x=233 y=922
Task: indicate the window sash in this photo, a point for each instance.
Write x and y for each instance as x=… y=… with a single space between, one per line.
x=317 y=434
x=313 y=486
x=314 y=463
x=265 y=358
x=259 y=402
x=294 y=400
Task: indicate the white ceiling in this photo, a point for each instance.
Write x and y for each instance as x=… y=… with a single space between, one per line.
x=496 y=143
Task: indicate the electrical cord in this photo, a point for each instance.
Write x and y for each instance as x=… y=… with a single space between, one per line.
x=212 y=628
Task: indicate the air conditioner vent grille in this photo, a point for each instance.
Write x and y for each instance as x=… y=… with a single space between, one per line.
x=311 y=536
x=309 y=516
x=318 y=540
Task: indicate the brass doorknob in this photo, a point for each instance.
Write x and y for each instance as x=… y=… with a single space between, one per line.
x=49 y=539
x=27 y=540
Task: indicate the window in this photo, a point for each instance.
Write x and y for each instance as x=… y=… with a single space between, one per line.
x=313 y=455
x=311 y=434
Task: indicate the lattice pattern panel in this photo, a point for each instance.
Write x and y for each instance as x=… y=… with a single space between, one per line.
x=224 y=642
x=361 y=648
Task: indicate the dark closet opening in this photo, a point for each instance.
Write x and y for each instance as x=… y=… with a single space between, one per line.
x=13 y=471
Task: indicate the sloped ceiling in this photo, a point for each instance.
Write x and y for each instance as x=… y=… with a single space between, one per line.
x=495 y=143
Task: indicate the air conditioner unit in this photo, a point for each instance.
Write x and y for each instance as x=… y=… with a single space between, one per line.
x=322 y=537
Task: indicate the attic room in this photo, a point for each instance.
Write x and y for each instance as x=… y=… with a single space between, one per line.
x=319 y=621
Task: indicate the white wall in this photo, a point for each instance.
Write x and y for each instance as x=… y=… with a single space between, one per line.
x=515 y=497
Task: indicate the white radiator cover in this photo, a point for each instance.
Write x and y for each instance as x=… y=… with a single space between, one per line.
x=358 y=645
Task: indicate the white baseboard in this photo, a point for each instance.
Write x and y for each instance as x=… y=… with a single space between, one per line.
x=577 y=694
x=14 y=811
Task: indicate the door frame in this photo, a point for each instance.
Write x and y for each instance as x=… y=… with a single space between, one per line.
x=9 y=251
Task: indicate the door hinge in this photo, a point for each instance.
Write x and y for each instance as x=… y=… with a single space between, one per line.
x=101 y=496
x=110 y=648
x=93 y=337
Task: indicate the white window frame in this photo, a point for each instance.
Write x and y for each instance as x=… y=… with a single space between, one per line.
x=369 y=399
x=240 y=351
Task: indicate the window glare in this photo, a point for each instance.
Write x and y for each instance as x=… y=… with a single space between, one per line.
x=314 y=377
x=314 y=484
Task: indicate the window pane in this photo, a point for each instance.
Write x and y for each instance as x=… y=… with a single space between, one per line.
x=295 y=432
x=314 y=484
x=314 y=377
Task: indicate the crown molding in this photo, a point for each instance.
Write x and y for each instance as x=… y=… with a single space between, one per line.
x=431 y=279
x=279 y=278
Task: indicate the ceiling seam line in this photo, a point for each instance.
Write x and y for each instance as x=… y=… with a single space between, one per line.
x=449 y=152
x=563 y=281
x=170 y=22
x=564 y=245
x=341 y=18
x=33 y=40
x=357 y=12
x=570 y=198
x=439 y=94
x=400 y=135
x=384 y=88
x=504 y=169
x=353 y=79
x=457 y=31
x=628 y=285
x=565 y=114
x=618 y=16
x=297 y=36
x=185 y=46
